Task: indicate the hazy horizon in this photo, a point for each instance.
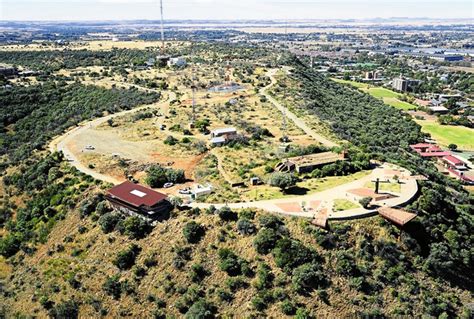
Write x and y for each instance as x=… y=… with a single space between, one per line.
x=225 y=10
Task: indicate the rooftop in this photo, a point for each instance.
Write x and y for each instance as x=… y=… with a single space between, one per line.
x=316 y=159
x=453 y=160
x=397 y=216
x=136 y=195
x=225 y=130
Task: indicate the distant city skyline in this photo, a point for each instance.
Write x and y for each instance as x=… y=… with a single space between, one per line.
x=232 y=9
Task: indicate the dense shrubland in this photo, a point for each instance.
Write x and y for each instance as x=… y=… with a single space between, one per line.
x=37 y=113
x=442 y=233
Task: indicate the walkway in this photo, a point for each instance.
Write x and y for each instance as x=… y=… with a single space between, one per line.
x=309 y=205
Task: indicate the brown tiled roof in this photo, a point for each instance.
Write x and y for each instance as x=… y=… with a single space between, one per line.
x=136 y=195
x=397 y=216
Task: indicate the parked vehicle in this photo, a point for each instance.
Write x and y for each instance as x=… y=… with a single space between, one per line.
x=185 y=191
x=168 y=185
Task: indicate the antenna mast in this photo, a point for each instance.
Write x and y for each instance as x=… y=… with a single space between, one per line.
x=162 y=29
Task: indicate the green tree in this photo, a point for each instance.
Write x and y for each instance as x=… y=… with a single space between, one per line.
x=193 y=232
x=282 y=180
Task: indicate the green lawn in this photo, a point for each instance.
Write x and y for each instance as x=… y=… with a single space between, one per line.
x=389 y=97
x=399 y=104
x=312 y=185
x=353 y=83
x=388 y=187
x=344 y=204
x=381 y=93
x=462 y=136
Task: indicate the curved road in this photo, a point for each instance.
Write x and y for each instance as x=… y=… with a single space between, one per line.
x=324 y=199
x=61 y=143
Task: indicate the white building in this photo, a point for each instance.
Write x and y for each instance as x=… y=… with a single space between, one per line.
x=178 y=62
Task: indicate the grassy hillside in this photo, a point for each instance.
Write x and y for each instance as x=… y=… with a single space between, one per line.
x=360 y=267
x=65 y=254
x=389 y=97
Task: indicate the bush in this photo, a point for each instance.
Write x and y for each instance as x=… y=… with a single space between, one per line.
x=112 y=286
x=226 y=214
x=170 y=140
x=67 y=309
x=126 y=258
x=307 y=277
x=264 y=277
x=158 y=175
x=270 y=221
x=108 y=222
x=193 y=232
x=265 y=240
x=198 y=273
x=365 y=202
x=134 y=227
x=288 y=308
x=290 y=254
x=201 y=309
x=247 y=214
x=245 y=227
x=232 y=264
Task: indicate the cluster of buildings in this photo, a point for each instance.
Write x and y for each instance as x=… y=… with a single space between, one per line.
x=222 y=136
x=447 y=162
x=373 y=76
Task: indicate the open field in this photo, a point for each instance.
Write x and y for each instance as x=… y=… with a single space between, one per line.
x=104 y=45
x=462 y=136
x=388 y=187
x=342 y=204
x=389 y=97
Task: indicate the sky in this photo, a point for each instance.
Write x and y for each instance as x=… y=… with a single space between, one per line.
x=232 y=9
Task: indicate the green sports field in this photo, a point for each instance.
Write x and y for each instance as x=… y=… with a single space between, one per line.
x=462 y=136
x=388 y=96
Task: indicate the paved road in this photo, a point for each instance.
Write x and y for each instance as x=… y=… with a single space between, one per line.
x=409 y=188
x=61 y=143
x=292 y=116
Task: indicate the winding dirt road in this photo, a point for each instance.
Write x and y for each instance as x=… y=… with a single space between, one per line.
x=292 y=116
x=60 y=143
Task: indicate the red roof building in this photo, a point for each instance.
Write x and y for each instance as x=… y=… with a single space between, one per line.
x=454 y=162
x=134 y=198
x=429 y=150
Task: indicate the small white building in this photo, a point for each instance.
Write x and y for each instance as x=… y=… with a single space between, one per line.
x=177 y=62
x=227 y=131
x=201 y=190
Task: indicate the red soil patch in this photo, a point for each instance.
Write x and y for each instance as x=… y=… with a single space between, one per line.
x=186 y=164
x=290 y=207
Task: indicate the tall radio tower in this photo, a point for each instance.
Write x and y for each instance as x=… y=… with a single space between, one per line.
x=162 y=29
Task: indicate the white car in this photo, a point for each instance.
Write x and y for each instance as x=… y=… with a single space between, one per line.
x=168 y=185
x=185 y=191
x=90 y=147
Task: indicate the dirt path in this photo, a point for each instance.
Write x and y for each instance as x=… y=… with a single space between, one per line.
x=62 y=142
x=292 y=116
